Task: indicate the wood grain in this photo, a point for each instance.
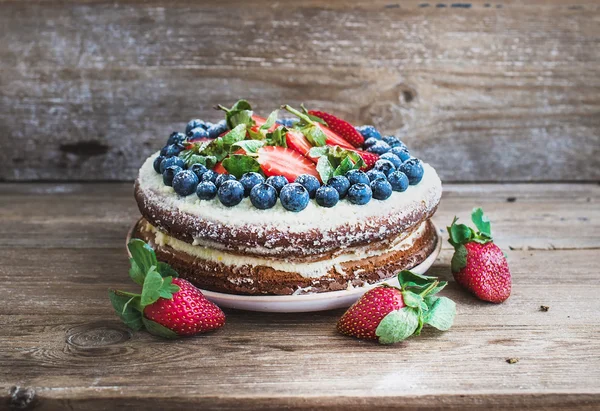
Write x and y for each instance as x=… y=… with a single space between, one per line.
x=503 y=91
x=61 y=346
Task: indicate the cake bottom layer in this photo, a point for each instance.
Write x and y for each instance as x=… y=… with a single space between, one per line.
x=238 y=274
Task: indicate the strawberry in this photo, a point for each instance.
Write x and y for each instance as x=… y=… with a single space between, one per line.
x=220 y=169
x=369 y=158
x=187 y=313
x=297 y=142
x=281 y=161
x=167 y=306
x=478 y=264
x=389 y=314
x=340 y=127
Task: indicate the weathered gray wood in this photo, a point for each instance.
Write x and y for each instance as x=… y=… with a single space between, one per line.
x=62 y=345
x=505 y=91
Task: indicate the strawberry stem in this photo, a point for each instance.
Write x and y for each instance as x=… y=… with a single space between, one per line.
x=429 y=288
x=298 y=114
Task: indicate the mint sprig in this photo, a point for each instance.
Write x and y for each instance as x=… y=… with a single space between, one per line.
x=461 y=234
x=209 y=153
x=156 y=279
x=422 y=306
x=308 y=126
x=335 y=161
x=240 y=113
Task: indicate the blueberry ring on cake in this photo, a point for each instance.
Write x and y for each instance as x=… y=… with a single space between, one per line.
x=303 y=204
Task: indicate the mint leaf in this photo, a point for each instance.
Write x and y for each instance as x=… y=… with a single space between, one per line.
x=318 y=151
x=249 y=146
x=238 y=133
x=189 y=158
x=155 y=328
x=324 y=168
x=136 y=273
x=152 y=287
x=239 y=164
x=441 y=314
x=270 y=121
x=481 y=222
x=459 y=259
x=314 y=134
x=239 y=113
x=142 y=254
x=165 y=270
x=125 y=309
x=397 y=325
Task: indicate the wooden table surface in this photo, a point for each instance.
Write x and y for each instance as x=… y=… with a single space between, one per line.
x=62 y=347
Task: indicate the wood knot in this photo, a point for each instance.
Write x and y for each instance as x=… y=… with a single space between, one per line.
x=21 y=398
x=85 y=148
x=93 y=336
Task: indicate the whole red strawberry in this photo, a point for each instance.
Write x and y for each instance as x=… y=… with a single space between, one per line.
x=187 y=313
x=340 y=127
x=389 y=314
x=167 y=306
x=478 y=264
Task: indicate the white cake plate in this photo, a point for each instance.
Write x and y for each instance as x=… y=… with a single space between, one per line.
x=307 y=302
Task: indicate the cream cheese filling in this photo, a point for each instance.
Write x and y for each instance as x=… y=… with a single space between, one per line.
x=306 y=269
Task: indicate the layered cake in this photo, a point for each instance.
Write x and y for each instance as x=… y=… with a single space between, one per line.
x=282 y=206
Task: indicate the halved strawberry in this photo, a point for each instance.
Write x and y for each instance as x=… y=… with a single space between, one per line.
x=260 y=121
x=296 y=141
x=333 y=139
x=281 y=161
x=368 y=157
x=220 y=169
x=341 y=127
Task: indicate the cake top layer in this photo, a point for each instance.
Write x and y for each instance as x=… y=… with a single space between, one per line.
x=425 y=194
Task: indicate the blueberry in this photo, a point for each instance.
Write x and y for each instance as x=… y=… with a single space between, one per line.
x=294 y=197
x=357 y=176
x=231 y=193
x=360 y=193
x=375 y=174
x=368 y=132
x=221 y=178
x=263 y=196
x=327 y=196
x=199 y=169
x=217 y=129
x=249 y=180
x=341 y=184
x=400 y=152
x=370 y=142
x=392 y=158
x=398 y=180
x=385 y=166
x=197 y=134
x=381 y=189
x=207 y=125
x=413 y=168
x=170 y=173
x=309 y=182
x=194 y=124
x=206 y=190
x=211 y=176
x=185 y=182
x=379 y=148
x=171 y=150
x=157 y=162
x=278 y=182
x=176 y=138
x=172 y=161
x=287 y=122
x=393 y=141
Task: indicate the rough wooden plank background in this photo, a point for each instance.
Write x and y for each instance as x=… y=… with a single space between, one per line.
x=485 y=91
x=62 y=246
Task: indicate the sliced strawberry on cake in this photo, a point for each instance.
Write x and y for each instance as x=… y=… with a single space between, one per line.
x=281 y=161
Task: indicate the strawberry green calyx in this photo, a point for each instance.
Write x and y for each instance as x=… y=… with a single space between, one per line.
x=422 y=306
x=461 y=234
x=156 y=279
x=309 y=126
